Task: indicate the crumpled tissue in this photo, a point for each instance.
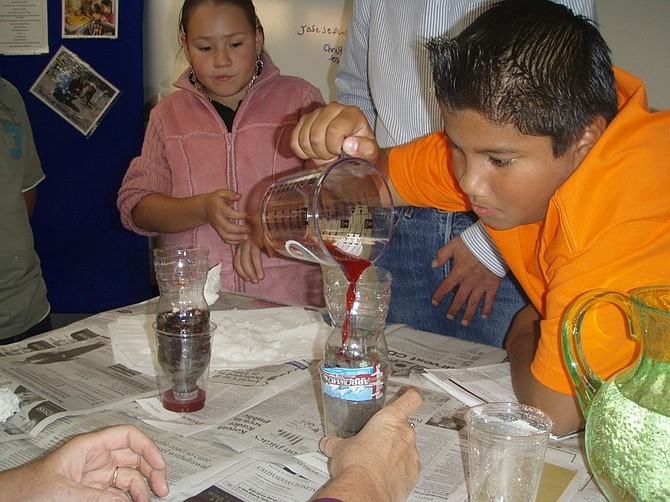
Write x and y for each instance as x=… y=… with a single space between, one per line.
x=213 y=284
x=9 y=403
x=243 y=338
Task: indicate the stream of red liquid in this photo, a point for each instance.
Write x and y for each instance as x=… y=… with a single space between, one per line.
x=353 y=267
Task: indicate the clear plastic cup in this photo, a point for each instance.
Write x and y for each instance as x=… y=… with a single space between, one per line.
x=183 y=368
x=507 y=444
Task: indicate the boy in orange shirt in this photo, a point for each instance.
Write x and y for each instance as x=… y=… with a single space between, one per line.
x=559 y=156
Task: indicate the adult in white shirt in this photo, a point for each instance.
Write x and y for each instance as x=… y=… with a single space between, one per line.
x=385 y=72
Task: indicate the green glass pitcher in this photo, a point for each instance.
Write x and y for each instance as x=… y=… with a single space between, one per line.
x=627 y=417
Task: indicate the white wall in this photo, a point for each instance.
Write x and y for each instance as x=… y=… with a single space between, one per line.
x=638 y=32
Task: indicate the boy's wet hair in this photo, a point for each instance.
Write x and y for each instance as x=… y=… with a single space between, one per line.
x=529 y=63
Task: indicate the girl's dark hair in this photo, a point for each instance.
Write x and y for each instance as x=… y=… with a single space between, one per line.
x=529 y=63
x=189 y=7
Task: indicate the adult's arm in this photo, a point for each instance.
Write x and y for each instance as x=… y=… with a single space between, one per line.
x=84 y=467
x=351 y=78
x=381 y=462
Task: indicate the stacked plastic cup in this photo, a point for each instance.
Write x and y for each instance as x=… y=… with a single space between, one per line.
x=183 y=329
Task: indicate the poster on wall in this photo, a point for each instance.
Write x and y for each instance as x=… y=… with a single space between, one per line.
x=75 y=91
x=23 y=27
x=90 y=19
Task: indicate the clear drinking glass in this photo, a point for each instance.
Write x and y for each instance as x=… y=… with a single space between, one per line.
x=507 y=444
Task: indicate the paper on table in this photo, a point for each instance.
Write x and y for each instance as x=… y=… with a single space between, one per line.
x=243 y=339
x=480 y=384
x=472 y=386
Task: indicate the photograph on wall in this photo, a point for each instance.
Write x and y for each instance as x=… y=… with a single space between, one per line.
x=75 y=91
x=90 y=19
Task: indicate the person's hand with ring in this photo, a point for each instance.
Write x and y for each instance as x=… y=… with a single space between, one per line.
x=101 y=466
x=381 y=462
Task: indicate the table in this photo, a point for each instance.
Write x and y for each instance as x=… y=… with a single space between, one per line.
x=256 y=439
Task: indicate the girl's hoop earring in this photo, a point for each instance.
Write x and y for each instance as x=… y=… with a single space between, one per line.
x=257 y=70
x=194 y=81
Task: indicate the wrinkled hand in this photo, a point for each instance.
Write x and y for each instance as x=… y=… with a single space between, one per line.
x=325 y=133
x=473 y=280
x=379 y=463
x=83 y=469
x=229 y=223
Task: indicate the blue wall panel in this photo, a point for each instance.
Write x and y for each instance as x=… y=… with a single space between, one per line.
x=90 y=262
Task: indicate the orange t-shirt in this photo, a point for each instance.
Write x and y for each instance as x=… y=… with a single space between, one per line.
x=607 y=226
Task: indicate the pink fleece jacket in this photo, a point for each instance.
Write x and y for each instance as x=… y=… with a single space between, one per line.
x=188 y=150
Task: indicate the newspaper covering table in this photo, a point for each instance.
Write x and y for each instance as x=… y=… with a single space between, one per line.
x=256 y=439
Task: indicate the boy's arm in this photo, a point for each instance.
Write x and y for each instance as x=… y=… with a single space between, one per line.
x=336 y=129
x=521 y=344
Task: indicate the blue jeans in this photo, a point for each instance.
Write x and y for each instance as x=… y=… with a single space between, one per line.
x=419 y=233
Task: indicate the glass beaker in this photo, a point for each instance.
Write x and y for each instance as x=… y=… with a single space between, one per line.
x=330 y=215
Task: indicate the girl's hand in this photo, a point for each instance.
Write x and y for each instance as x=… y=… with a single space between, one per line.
x=248 y=261
x=230 y=224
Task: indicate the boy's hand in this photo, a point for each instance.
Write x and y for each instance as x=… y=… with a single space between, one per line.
x=321 y=135
x=472 y=279
x=229 y=223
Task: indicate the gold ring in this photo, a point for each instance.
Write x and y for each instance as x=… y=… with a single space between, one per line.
x=116 y=472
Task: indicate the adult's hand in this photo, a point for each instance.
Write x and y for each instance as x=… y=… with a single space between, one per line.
x=381 y=462
x=84 y=469
x=325 y=133
x=473 y=280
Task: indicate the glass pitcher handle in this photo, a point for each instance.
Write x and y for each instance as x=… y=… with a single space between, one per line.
x=586 y=381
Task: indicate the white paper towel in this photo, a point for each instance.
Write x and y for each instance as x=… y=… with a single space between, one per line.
x=243 y=339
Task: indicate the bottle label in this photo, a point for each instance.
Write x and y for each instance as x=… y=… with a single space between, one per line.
x=353 y=384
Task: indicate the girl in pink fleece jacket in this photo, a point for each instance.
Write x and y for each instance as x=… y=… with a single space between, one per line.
x=214 y=146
